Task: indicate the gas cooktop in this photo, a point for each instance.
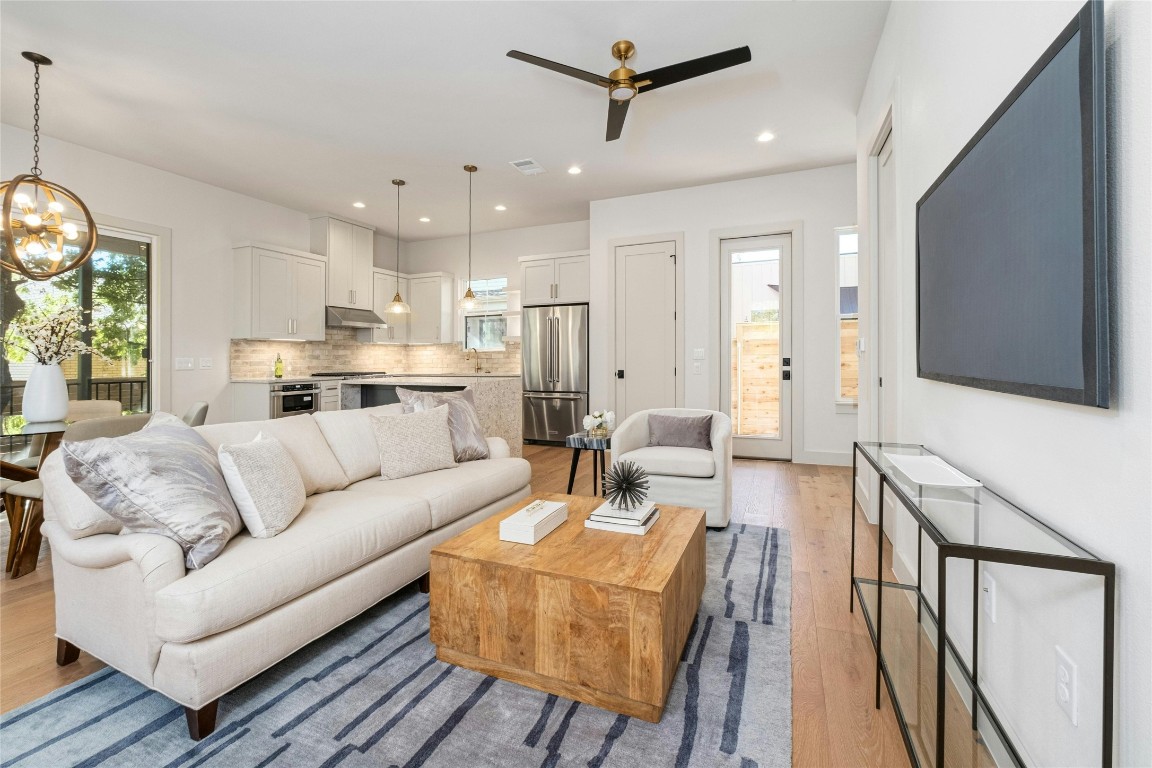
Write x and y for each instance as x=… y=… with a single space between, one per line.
x=350 y=374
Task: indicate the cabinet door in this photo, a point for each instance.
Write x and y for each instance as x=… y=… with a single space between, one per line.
x=572 y=279
x=271 y=294
x=308 y=294
x=361 y=275
x=339 y=263
x=424 y=322
x=536 y=281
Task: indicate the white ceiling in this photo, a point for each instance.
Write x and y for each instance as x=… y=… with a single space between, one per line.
x=314 y=105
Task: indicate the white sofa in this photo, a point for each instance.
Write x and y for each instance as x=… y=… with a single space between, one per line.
x=195 y=635
x=686 y=477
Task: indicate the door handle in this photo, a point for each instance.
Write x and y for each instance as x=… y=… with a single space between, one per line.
x=786 y=362
x=556 y=355
x=549 y=363
x=787 y=375
x=620 y=373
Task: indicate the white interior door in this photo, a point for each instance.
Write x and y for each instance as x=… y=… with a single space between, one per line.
x=645 y=367
x=756 y=344
x=887 y=303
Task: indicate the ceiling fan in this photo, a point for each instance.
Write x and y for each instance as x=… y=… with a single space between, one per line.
x=624 y=84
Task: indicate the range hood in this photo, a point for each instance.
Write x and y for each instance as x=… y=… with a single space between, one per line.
x=343 y=317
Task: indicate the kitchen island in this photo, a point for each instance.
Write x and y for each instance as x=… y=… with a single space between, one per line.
x=498 y=398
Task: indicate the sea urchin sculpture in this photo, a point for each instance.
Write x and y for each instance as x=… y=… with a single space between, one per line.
x=625 y=485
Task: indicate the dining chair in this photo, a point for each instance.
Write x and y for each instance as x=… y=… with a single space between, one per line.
x=196 y=414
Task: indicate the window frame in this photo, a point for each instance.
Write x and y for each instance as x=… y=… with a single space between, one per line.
x=462 y=288
x=844 y=405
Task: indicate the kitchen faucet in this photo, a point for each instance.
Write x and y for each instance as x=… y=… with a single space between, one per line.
x=476 y=352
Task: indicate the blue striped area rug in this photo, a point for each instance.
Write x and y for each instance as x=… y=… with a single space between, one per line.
x=372 y=693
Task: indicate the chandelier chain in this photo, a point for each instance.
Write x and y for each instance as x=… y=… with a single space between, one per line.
x=36 y=125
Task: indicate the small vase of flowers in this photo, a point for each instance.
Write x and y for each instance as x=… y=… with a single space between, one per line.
x=598 y=423
x=50 y=338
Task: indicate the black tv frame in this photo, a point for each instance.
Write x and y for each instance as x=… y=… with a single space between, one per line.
x=1095 y=337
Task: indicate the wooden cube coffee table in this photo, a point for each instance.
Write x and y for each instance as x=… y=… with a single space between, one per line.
x=591 y=615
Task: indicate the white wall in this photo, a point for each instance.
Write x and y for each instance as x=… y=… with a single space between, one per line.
x=819 y=200
x=942 y=68
x=493 y=253
x=204 y=220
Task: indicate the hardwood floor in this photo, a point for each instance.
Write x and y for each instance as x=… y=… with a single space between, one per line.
x=834 y=721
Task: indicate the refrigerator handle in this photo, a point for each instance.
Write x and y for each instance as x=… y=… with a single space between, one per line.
x=556 y=356
x=551 y=351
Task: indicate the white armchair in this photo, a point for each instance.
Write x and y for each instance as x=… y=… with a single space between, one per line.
x=686 y=477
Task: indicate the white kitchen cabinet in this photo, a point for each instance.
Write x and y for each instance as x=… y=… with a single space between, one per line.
x=384 y=283
x=554 y=279
x=430 y=296
x=278 y=293
x=330 y=395
x=349 y=248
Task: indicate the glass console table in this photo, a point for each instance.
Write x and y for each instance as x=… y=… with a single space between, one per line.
x=965 y=523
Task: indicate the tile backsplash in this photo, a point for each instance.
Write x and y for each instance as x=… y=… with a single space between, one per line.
x=340 y=351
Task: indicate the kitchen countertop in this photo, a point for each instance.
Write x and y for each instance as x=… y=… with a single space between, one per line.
x=286 y=380
x=388 y=378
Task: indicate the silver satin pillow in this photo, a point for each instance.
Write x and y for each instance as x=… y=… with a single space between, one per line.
x=468 y=442
x=164 y=479
x=680 y=431
x=413 y=443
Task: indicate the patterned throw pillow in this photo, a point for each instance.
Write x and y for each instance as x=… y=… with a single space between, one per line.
x=680 y=431
x=264 y=483
x=468 y=442
x=163 y=479
x=413 y=443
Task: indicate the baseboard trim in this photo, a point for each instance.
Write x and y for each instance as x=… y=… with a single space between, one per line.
x=829 y=458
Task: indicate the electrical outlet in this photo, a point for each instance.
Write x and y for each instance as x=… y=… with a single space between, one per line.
x=184 y=363
x=1066 y=684
x=988 y=597
x=697 y=368
x=205 y=362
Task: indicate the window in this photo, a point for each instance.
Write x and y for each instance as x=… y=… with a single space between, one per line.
x=848 y=311
x=486 y=327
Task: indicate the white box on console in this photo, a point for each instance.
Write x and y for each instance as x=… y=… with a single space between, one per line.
x=532 y=523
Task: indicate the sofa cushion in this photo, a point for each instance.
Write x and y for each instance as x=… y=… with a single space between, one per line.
x=68 y=506
x=334 y=535
x=677 y=462
x=413 y=443
x=264 y=483
x=318 y=466
x=352 y=439
x=456 y=492
x=468 y=443
x=680 y=431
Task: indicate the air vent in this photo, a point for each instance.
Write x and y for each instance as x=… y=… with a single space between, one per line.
x=528 y=166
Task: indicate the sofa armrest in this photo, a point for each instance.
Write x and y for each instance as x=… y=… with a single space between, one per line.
x=498 y=448
x=160 y=559
x=630 y=435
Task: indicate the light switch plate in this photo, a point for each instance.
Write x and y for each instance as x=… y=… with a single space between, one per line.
x=184 y=363
x=205 y=362
x=1066 y=684
x=698 y=353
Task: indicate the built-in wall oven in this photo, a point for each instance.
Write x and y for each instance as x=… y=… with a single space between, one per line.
x=293 y=399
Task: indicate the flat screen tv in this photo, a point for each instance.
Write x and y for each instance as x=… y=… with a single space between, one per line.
x=1011 y=240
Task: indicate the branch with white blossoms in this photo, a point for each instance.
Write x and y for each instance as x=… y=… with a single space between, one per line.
x=51 y=337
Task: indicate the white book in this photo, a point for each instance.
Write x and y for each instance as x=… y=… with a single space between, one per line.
x=638 y=515
x=533 y=522
x=635 y=530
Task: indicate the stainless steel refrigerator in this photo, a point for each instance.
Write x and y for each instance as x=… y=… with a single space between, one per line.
x=554 y=376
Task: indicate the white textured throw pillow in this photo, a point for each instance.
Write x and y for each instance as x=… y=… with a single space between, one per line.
x=413 y=443
x=264 y=483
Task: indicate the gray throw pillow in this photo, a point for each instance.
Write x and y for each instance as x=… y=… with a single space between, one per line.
x=413 y=443
x=468 y=442
x=163 y=479
x=264 y=483
x=680 y=431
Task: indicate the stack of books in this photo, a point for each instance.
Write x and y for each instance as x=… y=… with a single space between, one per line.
x=533 y=522
x=637 y=521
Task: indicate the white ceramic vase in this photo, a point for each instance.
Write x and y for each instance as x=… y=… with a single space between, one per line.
x=45 y=394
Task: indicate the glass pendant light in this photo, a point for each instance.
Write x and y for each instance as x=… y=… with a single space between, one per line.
x=469 y=303
x=397 y=306
x=36 y=241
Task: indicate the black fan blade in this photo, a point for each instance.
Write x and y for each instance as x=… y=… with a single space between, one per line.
x=617 y=111
x=563 y=69
x=686 y=70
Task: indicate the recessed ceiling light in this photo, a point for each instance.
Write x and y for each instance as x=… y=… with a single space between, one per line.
x=766 y=136
x=425 y=219
x=357 y=204
x=501 y=207
x=574 y=170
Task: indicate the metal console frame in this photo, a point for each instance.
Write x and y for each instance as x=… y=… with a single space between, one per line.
x=976 y=553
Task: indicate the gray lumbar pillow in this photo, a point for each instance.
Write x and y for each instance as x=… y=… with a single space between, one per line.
x=680 y=431
x=163 y=479
x=264 y=483
x=468 y=442
x=413 y=443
